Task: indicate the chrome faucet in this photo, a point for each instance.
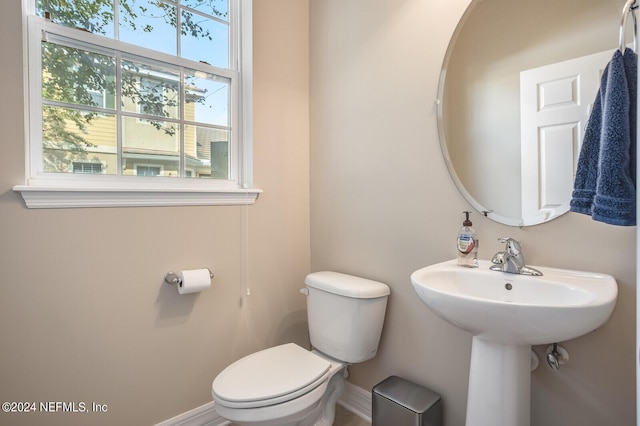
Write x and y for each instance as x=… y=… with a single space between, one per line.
x=511 y=259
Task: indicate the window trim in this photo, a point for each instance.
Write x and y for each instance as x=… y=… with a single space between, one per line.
x=64 y=191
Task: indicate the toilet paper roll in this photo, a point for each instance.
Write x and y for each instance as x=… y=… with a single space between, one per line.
x=194 y=280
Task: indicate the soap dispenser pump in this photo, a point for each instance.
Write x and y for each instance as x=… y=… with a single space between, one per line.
x=467 y=244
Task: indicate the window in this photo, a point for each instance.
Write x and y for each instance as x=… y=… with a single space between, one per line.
x=148 y=170
x=154 y=92
x=79 y=167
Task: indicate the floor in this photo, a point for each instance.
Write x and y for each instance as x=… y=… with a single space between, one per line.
x=347 y=418
x=343 y=417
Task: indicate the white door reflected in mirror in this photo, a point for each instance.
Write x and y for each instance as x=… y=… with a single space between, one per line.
x=555 y=103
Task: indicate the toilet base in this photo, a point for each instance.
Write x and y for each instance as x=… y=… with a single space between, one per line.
x=326 y=413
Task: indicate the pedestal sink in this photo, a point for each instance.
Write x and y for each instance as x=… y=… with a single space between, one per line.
x=506 y=314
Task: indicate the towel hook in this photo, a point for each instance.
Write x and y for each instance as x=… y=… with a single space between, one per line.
x=629 y=9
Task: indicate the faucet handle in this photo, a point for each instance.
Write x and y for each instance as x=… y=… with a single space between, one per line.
x=512 y=246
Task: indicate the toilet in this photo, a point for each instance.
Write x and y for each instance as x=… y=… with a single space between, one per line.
x=289 y=385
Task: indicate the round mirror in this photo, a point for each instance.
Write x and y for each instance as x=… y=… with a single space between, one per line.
x=515 y=92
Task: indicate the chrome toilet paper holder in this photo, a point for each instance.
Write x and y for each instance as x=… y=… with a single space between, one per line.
x=173 y=278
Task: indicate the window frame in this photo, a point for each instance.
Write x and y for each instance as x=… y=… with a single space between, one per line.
x=65 y=190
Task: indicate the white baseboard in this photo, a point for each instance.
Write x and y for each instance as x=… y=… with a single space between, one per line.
x=205 y=415
x=357 y=400
x=354 y=399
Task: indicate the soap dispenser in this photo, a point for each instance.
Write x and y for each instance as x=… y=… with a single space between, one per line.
x=467 y=244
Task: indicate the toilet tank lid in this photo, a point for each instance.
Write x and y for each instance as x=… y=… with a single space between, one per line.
x=347 y=285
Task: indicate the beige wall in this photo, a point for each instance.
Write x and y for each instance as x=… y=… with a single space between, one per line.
x=84 y=313
x=383 y=205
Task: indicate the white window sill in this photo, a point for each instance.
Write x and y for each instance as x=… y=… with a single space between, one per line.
x=46 y=197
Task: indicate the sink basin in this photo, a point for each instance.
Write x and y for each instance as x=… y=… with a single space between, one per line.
x=506 y=314
x=518 y=309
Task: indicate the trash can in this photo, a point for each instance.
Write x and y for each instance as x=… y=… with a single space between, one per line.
x=399 y=402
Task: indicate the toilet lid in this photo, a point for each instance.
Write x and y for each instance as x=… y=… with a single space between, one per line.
x=270 y=373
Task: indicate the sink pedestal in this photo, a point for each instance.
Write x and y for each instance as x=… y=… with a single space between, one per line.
x=499 y=384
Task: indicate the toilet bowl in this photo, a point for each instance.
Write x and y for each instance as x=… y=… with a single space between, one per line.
x=288 y=385
x=283 y=385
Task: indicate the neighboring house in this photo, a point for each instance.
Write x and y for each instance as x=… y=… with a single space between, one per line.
x=150 y=147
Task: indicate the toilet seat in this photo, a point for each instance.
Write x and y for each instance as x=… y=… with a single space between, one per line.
x=271 y=376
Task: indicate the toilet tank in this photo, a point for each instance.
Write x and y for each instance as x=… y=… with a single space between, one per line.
x=345 y=315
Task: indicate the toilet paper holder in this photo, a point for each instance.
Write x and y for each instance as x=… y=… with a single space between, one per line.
x=173 y=278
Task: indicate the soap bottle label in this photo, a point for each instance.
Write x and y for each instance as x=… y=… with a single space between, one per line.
x=466 y=243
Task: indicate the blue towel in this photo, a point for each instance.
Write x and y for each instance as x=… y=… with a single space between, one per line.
x=584 y=189
x=631 y=69
x=605 y=184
